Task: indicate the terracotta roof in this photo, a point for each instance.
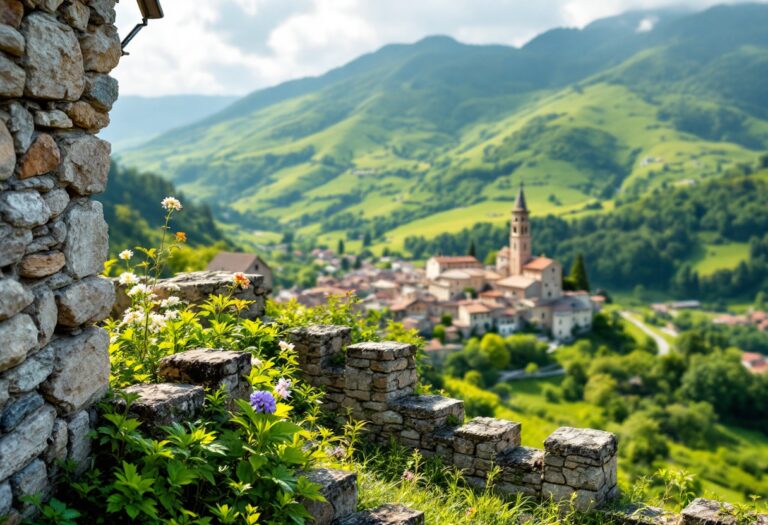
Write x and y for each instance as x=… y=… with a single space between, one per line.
x=538 y=264
x=491 y=293
x=402 y=305
x=750 y=357
x=232 y=262
x=456 y=259
x=476 y=308
x=503 y=251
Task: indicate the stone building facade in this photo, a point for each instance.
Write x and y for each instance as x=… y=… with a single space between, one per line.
x=55 y=95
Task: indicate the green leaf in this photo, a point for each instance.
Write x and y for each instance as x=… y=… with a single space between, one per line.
x=292 y=455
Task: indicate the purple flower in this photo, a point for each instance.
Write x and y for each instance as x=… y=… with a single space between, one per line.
x=263 y=402
x=408 y=475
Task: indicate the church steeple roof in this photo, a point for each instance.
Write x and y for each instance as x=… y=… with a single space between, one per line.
x=520 y=201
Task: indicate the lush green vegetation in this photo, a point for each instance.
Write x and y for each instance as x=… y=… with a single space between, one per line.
x=697 y=408
x=132 y=210
x=429 y=138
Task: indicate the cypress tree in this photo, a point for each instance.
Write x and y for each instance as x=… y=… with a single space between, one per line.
x=472 y=250
x=340 y=247
x=578 y=273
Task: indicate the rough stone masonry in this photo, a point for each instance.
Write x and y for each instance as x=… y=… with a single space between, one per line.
x=375 y=382
x=55 y=95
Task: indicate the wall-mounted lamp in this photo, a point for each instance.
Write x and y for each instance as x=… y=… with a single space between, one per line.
x=150 y=10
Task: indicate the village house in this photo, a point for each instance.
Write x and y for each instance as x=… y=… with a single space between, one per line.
x=521 y=289
x=754 y=362
x=436 y=266
x=244 y=263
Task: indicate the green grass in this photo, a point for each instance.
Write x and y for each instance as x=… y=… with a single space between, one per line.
x=713 y=257
x=717 y=468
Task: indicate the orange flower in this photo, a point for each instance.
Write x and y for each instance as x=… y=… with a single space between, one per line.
x=181 y=236
x=241 y=280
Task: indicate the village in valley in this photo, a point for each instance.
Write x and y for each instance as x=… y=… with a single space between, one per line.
x=458 y=292
x=452 y=298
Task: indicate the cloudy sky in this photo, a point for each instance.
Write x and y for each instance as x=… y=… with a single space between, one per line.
x=237 y=46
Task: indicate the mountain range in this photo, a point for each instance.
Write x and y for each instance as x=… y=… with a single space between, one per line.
x=137 y=120
x=434 y=136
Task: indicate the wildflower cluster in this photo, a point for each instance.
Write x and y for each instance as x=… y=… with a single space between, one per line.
x=158 y=323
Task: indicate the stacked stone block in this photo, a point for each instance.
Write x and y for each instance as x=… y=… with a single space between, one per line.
x=339 y=487
x=422 y=417
x=522 y=471
x=55 y=95
x=158 y=405
x=194 y=288
x=580 y=461
x=320 y=350
x=375 y=375
x=212 y=369
x=709 y=512
x=477 y=444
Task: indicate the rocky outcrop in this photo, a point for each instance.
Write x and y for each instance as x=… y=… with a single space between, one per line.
x=55 y=92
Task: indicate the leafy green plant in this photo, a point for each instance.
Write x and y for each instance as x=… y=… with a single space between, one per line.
x=243 y=466
x=53 y=512
x=744 y=513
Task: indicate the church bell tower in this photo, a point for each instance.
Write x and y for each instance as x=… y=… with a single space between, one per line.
x=519 y=235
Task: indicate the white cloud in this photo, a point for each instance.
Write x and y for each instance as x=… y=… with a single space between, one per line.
x=236 y=46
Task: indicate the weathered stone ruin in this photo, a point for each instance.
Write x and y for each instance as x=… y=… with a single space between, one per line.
x=376 y=383
x=55 y=95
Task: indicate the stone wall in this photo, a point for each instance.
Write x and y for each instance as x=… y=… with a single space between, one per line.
x=55 y=94
x=180 y=398
x=375 y=382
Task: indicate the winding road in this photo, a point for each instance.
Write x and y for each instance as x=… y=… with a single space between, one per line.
x=661 y=343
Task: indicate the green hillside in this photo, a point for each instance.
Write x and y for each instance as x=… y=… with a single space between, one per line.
x=132 y=210
x=432 y=137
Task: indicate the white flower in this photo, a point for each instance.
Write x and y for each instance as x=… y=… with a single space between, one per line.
x=256 y=362
x=172 y=287
x=156 y=322
x=170 y=302
x=127 y=278
x=284 y=346
x=283 y=388
x=171 y=203
x=139 y=289
x=126 y=254
x=132 y=317
x=171 y=315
